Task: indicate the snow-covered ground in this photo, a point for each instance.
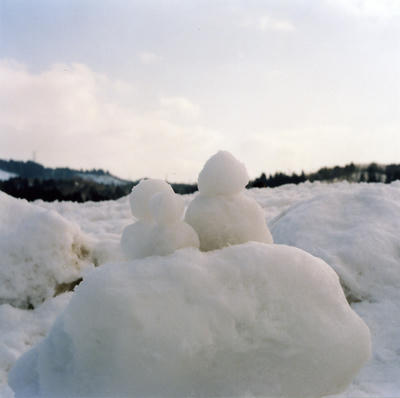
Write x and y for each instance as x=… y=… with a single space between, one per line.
x=6 y=175
x=105 y=179
x=353 y=227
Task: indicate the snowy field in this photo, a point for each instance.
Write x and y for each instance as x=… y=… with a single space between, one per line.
x=6 y=175
x=353 y=227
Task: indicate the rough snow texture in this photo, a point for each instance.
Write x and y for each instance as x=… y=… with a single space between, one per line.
x=160 y=229
x=40 y=252
x=267 y=320
x=222 y=214
x=361 y=243
x=222 y=174
x=20 y=329
x=105 y=221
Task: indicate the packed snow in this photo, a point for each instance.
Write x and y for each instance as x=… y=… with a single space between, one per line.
x=364 y=232
x=265 y=320
x=40 y=250
x=219 y=300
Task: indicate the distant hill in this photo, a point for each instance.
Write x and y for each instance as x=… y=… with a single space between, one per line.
x=32 y=169
x=31 y=180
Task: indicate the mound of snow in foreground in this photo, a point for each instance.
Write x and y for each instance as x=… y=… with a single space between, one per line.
x=355 y=232
x=259 y=319
x=40 y=251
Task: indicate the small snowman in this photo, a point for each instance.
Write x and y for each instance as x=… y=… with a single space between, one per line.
x=159 y=229
x=222 y=213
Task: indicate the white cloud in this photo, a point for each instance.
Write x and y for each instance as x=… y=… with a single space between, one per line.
x=148 y=58
x=268 y=23
x=179 y=106
x=76 y=117
x=382 y=9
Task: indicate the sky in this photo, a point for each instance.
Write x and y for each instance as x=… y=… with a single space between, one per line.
x=154 y=88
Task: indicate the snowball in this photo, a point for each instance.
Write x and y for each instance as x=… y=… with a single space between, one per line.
x=142 y=239
x=40 y=251
x=135 y=240
x=141 y=194
x=253 y=319
x=166 y=207
x=227 y=220
x=356 y=232
x=222 y=174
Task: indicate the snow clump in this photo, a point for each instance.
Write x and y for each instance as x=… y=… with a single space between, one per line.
x=250 y=319
x=41 y=252
x=222 y=213
x=356 y=232
x=159 y=229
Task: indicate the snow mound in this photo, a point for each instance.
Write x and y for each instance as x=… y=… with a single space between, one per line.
x=159 y=230
x=356 y=232
x=267 y=320
x=222 y=174
x=40 y=252
x=141 y=194
x=222 y=213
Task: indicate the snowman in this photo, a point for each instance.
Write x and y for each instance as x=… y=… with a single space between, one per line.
x=159 y=229
x=222 y=213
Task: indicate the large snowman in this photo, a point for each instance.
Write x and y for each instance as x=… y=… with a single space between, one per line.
x=222 y=213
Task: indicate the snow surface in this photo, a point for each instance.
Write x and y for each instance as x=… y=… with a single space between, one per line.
x=40 y=251
x=363 y=234
x=104 y=222
x=268 y=320
x=6 y=175
x=105 y=179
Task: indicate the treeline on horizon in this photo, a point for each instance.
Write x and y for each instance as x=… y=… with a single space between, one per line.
x=31 y=169
x=34 y=181
x=372 y=172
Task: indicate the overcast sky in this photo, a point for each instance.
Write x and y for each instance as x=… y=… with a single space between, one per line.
x=153 y=88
